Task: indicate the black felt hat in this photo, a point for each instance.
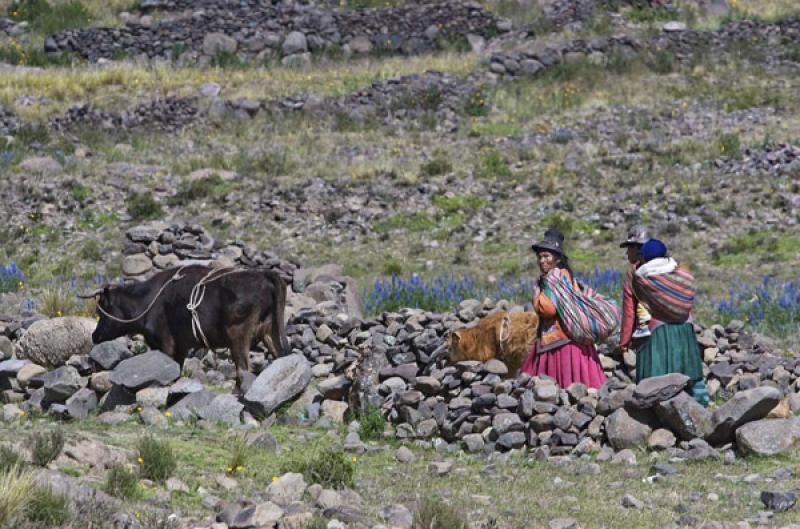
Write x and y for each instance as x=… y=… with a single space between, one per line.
x=553 y=242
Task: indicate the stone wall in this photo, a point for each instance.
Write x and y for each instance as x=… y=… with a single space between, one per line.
x=260 y=31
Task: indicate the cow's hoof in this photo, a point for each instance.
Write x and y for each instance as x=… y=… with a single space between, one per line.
x=246 y=382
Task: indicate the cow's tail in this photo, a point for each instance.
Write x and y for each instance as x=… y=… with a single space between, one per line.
x=278 y=312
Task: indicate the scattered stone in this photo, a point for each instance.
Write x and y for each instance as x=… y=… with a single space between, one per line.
x=152 y=368
x=50 y=343
x=778 y=501
x=280 y=381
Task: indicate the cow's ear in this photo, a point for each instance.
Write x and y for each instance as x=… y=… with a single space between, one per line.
x=455 y=338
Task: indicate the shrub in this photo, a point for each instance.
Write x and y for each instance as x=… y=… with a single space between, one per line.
x=435 y=514
x=436 y=166
x=329 y=468
x=15 y=492
x=224 y=59
x=371 y=424
x=11 y=278
x=317 y=522
x=477 y=103
x=80 y=192
x=46 y=446
x=453 y=204
x=121 y=482
x=155 y=458
x=46 y=18
x=9 y=459
x=729 y=145
x=47 y=508
x=212 y=186
x=492 y=165
x=142 y=206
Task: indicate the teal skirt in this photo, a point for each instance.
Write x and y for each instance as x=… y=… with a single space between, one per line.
x=672 y=348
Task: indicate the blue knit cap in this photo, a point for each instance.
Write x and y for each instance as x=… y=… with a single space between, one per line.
x=653 y=249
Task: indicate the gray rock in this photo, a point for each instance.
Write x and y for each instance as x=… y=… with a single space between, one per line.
x=50 y=343
x=661 y=439
x=624 y=431
x=743 y=407
x=404 y=455
x=473 y=442
x=295 y=43
x=684 y=416
x=334 y=387
x=629 y=502
x=61 y=384
x=152 y=417
x=563 y=523
x=506 y=422
x=778 y=501
x=651 y=391
x=397 y=516
x=224 y=408
x=286 y=489
x=108 y=354
x=136 y=265
x=216 y=43
x=768 y=437
x=152 y=368
x=190 y=406
x=280 y=381
x=81 y=403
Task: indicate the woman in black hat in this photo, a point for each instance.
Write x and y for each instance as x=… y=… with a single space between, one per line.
x=554 y=354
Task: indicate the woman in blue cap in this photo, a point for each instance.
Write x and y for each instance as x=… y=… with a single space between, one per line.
x=672 y=346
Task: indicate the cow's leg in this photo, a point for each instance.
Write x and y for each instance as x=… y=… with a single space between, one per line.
x=241 y=337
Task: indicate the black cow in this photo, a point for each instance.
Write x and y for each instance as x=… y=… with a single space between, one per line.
x=237 y=310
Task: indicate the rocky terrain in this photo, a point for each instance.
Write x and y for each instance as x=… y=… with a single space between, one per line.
x=343 y=143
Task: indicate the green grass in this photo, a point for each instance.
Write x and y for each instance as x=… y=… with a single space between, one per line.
x=371 y=424
x=769 y=246
x=142 y=206
x=211 y=187
x=330 y=468
x=122 y=483
x=156 y=459
x=47 y=509
x=46 y=446
x=46 y=18
x=412 y=222
x=433 y=513
x=9 y=459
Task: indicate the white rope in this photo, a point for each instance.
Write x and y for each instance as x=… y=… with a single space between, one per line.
x=175 y=277
x=196 y=297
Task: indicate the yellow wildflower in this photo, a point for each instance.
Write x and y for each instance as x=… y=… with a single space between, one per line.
x=239 y=468
x=167 y=414
x=274 y=478
x=139 y=460
x=21 y=413
x=229 y=470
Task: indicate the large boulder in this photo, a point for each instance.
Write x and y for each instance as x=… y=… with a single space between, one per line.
x=280 y=381
x=743 y=407
x=651 y=391
x=684 y=416
x=152 y=368
x=768 y=437
x=216 y=43
x=50 y=343
x=61 y=384
x=625 y=432
x=108 y=354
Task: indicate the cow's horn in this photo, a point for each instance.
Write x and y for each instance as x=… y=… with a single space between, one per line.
x=92 y=294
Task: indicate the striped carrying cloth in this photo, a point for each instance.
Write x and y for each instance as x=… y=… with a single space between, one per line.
x=586 y=316
x=667 y=289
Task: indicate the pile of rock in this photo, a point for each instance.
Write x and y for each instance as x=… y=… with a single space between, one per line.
x=156 y=246
x=9 y=28
x=9 y=122
x=165 y=114
x=741 y=36
x=256 y=30
x=777 y=159
x=399 y=363
x=532 y=60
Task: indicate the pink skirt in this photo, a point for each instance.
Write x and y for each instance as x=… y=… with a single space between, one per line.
x=567 y=364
